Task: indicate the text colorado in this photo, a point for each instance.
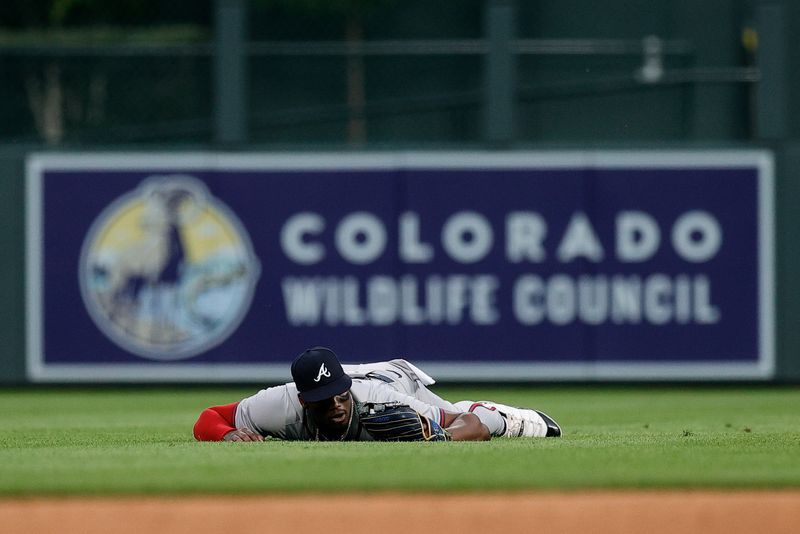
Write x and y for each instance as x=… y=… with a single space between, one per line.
x=467 y=237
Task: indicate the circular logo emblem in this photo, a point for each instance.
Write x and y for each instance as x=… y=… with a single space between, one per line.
x=167 y=271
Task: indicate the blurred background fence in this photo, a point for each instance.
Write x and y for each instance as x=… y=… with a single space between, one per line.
x=390 y=74
x=373 y=73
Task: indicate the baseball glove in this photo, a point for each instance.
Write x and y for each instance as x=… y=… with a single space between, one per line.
x=398 y=422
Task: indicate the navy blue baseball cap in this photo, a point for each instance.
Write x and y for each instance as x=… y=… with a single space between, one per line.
x=318 y=375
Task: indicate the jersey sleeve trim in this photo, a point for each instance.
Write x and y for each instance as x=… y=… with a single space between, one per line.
x=215 y=422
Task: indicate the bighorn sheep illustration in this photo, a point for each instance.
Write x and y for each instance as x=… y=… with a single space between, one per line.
x=155 y=261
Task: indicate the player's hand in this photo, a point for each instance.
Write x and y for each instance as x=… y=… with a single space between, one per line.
x=243 y=434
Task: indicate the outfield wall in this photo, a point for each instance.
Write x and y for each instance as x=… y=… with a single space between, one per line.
x=12 y=267
x=524 y=266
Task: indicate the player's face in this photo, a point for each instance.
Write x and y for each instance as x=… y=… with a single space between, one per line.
x=333 y=413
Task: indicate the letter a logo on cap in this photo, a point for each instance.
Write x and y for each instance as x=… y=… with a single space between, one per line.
x=331 y=380
x=323 y=371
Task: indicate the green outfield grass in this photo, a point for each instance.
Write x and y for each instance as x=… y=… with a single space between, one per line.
x=139 y=441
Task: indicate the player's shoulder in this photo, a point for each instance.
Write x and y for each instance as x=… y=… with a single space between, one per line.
x=273 y=411
x=370 y=390
x=284 y=395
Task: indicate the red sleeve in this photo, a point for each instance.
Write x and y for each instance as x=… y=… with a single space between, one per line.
x=215 y=422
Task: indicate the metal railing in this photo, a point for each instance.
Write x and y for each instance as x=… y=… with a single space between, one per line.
x=652 y=50
x=411 y=47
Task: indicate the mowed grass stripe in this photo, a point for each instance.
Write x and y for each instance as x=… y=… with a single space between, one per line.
x=131 y=441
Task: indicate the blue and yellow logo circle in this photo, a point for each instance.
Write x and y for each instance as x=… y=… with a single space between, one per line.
x=167 y=271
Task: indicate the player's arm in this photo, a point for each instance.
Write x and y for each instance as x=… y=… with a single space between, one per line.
x=465 y=427
x=218 y=423
x=461 y=426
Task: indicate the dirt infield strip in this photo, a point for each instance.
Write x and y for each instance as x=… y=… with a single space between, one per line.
x=658 y=512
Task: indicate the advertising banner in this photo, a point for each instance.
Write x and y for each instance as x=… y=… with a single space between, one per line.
x=639 y=265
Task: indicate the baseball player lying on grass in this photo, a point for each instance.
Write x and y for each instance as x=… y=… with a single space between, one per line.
x=385 y=401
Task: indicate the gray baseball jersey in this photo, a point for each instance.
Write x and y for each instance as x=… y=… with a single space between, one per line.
x=277 y=411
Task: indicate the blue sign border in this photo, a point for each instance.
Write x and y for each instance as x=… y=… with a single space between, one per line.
x=763 y=368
